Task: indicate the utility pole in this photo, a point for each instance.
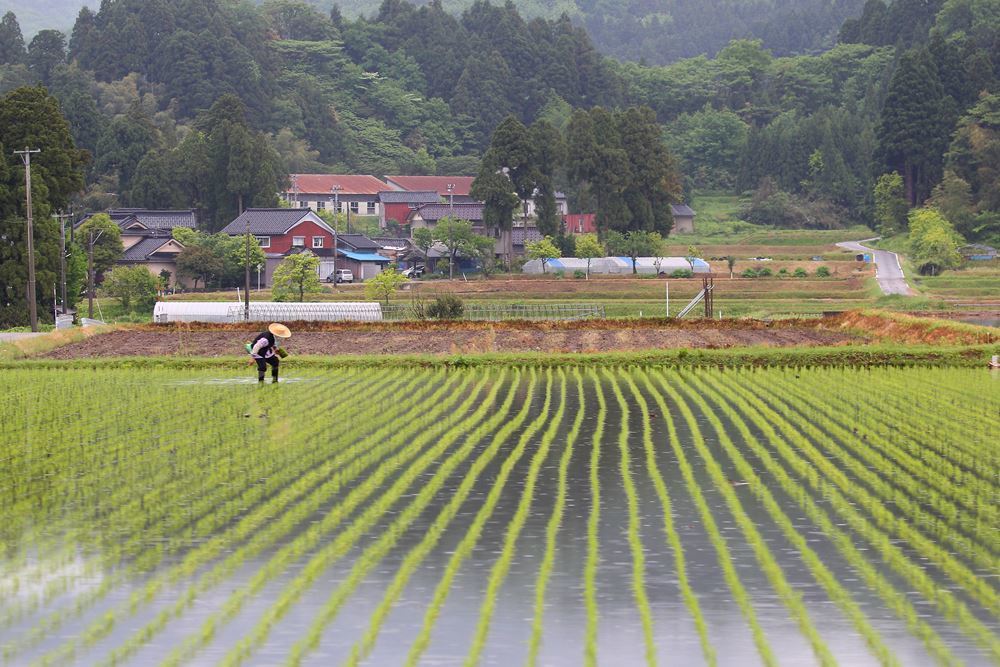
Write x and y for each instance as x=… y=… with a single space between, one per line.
x=451 y=199
x=32 y=301
x=336 y=216
x=246 y=272
x=91 y=240
x=62 y=255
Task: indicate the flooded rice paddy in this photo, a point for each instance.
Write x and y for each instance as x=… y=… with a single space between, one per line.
x=507 y=516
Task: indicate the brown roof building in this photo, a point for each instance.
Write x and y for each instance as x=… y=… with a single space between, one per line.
x=356 y=194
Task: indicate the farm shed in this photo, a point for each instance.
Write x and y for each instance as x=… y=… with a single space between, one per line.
x=616 y=265
x=265 y=311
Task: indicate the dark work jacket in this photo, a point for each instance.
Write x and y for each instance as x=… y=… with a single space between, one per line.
x=267 y=350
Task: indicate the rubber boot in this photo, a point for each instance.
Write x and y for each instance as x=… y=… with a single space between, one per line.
x=260 y=378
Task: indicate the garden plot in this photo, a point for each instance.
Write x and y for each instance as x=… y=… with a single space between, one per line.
x=501 y=516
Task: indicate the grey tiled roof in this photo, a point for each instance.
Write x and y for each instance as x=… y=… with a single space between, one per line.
x=522 y=234
x=434 y=212
x=266 y=221
x=153 y=219
x=408 y=197
x=143 y=249
x=357 y=242
x=681 y=209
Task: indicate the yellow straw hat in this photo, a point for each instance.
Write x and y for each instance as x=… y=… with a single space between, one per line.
x=279 y=330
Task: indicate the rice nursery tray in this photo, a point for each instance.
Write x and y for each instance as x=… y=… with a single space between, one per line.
x=500 y=516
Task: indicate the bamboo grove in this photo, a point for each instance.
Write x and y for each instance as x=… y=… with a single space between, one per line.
x=501 y=515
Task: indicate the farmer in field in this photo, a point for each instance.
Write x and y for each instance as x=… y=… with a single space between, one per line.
x=265 y=350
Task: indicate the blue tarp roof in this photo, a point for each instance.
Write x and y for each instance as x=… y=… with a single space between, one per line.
x=364 y=256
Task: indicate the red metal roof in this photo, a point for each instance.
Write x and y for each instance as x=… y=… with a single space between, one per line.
x=437 y=184
x=323 y=184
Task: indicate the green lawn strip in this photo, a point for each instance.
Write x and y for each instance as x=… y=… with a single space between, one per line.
x=829 y=481
x=708 y=522
x=471 y=537
x=906 y=493
x=593 y=524
x=962 y=499
x=378 y=550
x=760 y=356
x=290 y=488
x=765 y=558
x=798 y=488
x=263 y=526
x=632 y=530
x=673 y=539
x=695 y=389
x=552 y=528
x=363 y=647
x=502 y=565
x=411 y=459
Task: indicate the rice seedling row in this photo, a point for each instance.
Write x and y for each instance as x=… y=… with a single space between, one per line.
x=501 y=516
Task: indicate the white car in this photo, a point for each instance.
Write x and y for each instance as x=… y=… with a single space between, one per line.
x=341 y=276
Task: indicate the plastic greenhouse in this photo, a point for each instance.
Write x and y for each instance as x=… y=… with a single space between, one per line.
x=265 y=311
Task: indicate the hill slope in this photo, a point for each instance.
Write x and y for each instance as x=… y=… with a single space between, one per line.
x=657 y=31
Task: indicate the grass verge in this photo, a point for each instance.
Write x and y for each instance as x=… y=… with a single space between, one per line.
x=848 y=355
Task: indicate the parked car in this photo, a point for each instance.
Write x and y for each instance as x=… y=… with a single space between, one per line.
x=341 y=276
x=414 y=271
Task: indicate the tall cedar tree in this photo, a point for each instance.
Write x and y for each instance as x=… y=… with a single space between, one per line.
x=11 y=41
x=549 y=158
x=29 y=117
x=913 y=128
x=243 y=169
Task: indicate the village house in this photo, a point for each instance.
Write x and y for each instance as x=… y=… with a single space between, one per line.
x=451 y=189
x=683 y=219
x=580 y=223
x=397 y=205
x=354 y=195
x=285 y=231
x=147 y=238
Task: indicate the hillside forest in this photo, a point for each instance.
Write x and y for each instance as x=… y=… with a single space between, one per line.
x=208 y=104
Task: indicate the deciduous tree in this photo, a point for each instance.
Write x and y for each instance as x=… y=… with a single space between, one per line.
x=296 y=275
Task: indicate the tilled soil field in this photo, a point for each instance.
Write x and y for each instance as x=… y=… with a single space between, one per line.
x=445 y=339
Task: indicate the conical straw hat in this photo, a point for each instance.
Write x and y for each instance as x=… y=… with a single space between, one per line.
x=279 y=330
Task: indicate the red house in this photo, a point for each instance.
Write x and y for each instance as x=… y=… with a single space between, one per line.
x=399 y=205
x=580 y=223
x=286 y=231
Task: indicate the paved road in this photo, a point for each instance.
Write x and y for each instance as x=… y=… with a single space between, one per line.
x=888 y=272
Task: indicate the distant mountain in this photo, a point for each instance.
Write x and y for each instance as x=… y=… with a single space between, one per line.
x=654 y=31
x=35 y=15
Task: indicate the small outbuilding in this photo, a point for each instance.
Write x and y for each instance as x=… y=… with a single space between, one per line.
x=683 y=219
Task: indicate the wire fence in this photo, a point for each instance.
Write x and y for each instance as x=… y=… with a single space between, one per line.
x=311 y=312
x=502 y=312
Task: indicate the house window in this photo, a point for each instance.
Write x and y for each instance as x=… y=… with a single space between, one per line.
x=264 y=241
x=370 y=208
x=298 y=241
x=317 y=241
x=320 y=205
x=354 y=207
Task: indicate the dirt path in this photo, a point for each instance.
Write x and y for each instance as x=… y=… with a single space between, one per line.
x=451 y=340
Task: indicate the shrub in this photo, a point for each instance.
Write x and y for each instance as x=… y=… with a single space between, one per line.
x=764 y=273
x=447 y=307
x=579 y=275
x=681 y=273
x=823 y=272
x=749 y=273
x=783 y=273
x=560 y=274
x=800 y=273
